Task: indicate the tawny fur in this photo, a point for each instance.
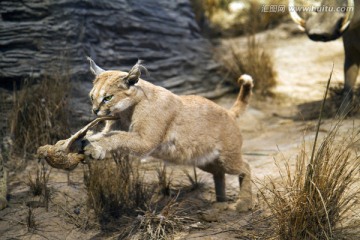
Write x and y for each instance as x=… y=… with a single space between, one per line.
x=188 y=130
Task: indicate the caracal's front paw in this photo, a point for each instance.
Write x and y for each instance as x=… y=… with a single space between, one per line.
x=95 y=151
x=93 y=137
x=244 y=204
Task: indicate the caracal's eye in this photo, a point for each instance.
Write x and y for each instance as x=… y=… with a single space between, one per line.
x=92 y=98
x=108 y=98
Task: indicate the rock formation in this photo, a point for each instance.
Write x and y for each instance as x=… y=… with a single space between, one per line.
x=38 y=35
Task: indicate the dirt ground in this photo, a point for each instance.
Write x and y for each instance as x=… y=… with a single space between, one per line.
x=271 y=128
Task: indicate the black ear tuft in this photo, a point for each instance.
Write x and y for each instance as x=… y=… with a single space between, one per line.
x=134 y=74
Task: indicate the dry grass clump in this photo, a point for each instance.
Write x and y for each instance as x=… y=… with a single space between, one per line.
x=119 y=195
x=312 y=201
x=40 y=114
x=157 y=222
x=196 y=183
x=115 y=187
x=217 y=18
x=39 y=184
x=260 y=17
x=207 y=8
x=255 y=61
x=164 y=180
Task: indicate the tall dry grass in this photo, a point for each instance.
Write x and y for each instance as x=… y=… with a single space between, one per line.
x=39 y=184
x=312 y=200
x=120 y=195
x=116 y=187
x=254 y=60
x=164 y=180
x=312 y=206
x=40 y=113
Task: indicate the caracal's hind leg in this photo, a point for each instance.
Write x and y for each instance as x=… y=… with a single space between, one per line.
x=219 y=180
x=244 y=202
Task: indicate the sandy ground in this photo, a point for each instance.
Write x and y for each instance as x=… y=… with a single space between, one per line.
x=269 y=131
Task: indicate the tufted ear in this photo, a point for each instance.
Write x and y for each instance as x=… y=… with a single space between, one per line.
x=134 y=74
x=95 y=69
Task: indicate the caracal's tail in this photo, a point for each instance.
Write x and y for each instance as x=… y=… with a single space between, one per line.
x=246 y=84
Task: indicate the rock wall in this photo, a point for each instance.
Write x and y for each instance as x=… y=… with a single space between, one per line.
x=38 y=35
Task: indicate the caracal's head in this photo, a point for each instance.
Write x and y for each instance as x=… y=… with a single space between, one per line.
x=113 y=91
